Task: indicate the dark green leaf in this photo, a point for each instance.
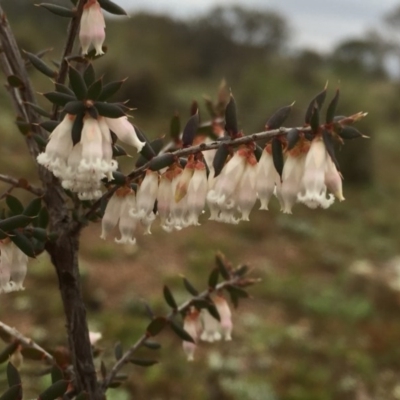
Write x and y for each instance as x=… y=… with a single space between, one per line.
x=190 y=288
x=23 y=243
x=54 y=391
x=314 y=122
x=77 y=83
x=3 y=235
x=239 y=292
x=258 y=152
x=14 y=204
x=39 y=110
x=119 y=178
x=89 y=75
x=33 y=208
x=118 y=352
x=169 y=298
x=231 y=125
x=6 y=353
x=112 y=7
x=95 y=89
x=13 y=377
x=58 y=98
x=220 y=157
x=152 y=345
x=110 y=89
x=43 y=218
x=49 y=125
x=213 y=278
x=160 y=162
x=60 y=88
x=157 y=144
x=118 y=151
x=278 y=118
x=317 y=101
x=181 y=332
x=32 y=354
x=223 y=270
x=175 y=128
x=76 y=132
x=277 y=155
x=143 y=363
x=23 y=126
x=200 y=303
x=13 y=393
x=330 y=147
x=38 y=233
x=40 y=65
x=56 y=374
x=109 y=110
x=156 y=326
x=57 y=10
x=190 y=130
x=15 y=81
x=42 y=143
x=15 y=222
x=74 y=107
x=349 y=132
x=92 y=111
x=330 y=112
x=213 y=311
x=292 y=137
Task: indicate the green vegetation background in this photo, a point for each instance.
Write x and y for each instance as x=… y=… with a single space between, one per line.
x=324 y=322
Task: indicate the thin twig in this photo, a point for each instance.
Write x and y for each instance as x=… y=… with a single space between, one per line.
x=29 y=343
x=21 y=183
x=125 y=358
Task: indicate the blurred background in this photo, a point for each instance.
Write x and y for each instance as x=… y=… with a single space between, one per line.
x=324 y=322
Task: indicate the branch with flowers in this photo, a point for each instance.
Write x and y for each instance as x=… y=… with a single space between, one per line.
x=211 y=164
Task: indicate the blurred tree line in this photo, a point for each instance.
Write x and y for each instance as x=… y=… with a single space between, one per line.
x=172 y=62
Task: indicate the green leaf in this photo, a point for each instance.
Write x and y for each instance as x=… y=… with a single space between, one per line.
x=330 y=112
x=118 y=151
x=213 y=278
x=213 y=311
x=13 y=377
x=49 y=126
x=181 y=332
x=152 y=345
x=40 y=65
x=231 y=125
x=33 y=208
x=56 y=374
x=77 y=127
x=64 y=89
x=278 y=118
x=110 y=89
x=175 y=128
x=39 y=110
x=23 y=243
x=38 y=233
x=43 y=218
x=189 y=287
x=23 y=126
x=156 y=326
x=223 y=270
x=89 y=75
x=190 y=130
x=13 y=393
x=74 y=107
x=349 y=132
x=57 y=10
x=169 y=298
x=95 y=89
x=118 y=352
x=317 y=101
x=220 y=157
x=119 y=178
x=160 y=162
x=59 y=99
x=157 y=144
x=143 y=363
x=42 y=143
x=292 y=138
x=330 y=147
x=9 y=349
x=14 y=204
x=77 y=83
x=277 y=155
x=15 y=222
x=109 y=110
x=112 y=7
x=15 y=81
x=56 y=390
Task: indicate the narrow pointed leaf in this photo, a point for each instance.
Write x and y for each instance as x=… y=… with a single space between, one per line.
x=181 y=332
x=175 y=128
x=314 y=122
x=318 y=100
x=56 y=374
x=118 y=151
x=92 y=111
x=13 y=393
x=64 y=89
x=109 y=110
x=223 y=270
x=220 y=157
x=39 y=110
x=157 y=145
x=213 y=278
x=74 y=107
x=89 y=75
x=41 y=142
x=238 y=291
x=118 y=352
x=14 y=204
x=169 y=298
x=95 y=89
x=330 y=147
x=231 y=125
x=77 y=83
x=190 y=130
x=23 y=243
x=330 y=112
x=49 y=125
x=292 y=138
x=213 y=311
x=15 y=81
x=189 y=287
x=77 y=126
x=23 y=126
x=13 y=377
x=55 y=391
x=200 y=303
x=110 y=89
x=33 y=208
x=143 y=363
x=43 y=218
x=7 y=351
x=349 y=132
x=278 y=118
x=152 y=345
x=40 y=65
x=58 y=98
x=58 y=10
x=277 y=155
x=111 y=7
x=15 y=222
x=161 y=161
x=156 y=326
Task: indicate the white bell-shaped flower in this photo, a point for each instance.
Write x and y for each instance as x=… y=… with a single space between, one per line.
x=125 y=131
x=197 y=193
x=267 y=177
x=225 y=314
x=192 y=325
x=333 y=179
x=246 y=193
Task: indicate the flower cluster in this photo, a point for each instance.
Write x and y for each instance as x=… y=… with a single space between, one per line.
x=82 y=166
x=203 y=326
x=92 y=30
x=309 y=176
x=13 y=267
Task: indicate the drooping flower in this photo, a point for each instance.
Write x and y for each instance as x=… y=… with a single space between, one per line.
x=13 y=267
x=92 y=29
x=226 y=316
x=333 y=179
x=192 y=325
x=197 y=193
x=125 y=131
